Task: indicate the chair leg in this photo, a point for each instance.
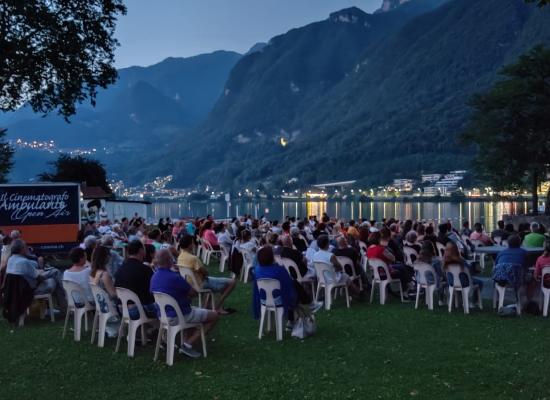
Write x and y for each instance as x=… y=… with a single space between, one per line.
x=157 y=347
x=143 y=335
x=372 y=292
x=347 y=296
x=401 y=292
x=132 y=330
x=67 y=316
x=94 y=326
x=77 y=325
x=120 y=333
x=102 y=329
x=262 y=317
x=279 y=323
x=383 y=289
x=501 y=293
x=418 y=296
x=170 y=343
x=466 y=300
x=50 y=305
x=451 y=293
x=545 y=306
x=328 y=297
x=203 y=339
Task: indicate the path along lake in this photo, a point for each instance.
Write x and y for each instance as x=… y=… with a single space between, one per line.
x=488 y=212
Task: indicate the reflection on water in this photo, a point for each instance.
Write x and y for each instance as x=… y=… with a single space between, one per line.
x=487 y=213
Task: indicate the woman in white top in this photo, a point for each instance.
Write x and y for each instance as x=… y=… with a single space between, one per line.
x=79 y=273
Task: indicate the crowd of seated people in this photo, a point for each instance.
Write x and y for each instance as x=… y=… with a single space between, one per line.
x=159 y=258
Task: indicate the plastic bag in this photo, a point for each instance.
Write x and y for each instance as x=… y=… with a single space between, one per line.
x=304 y=327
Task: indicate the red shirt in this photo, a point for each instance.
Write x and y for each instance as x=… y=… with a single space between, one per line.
x=542 y=262
x=211 y=237
x=377 y=251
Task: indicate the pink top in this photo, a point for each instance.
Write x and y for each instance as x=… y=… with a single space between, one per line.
x=211 y=237
x=542 y=261
x=482 y=237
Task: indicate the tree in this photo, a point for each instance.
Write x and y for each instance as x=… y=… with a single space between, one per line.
x=77 y=169
x=511 y=126
x=6 y=154
x=56 y=53
x=540 y=3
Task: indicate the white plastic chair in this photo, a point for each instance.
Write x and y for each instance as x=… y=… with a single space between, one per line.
x=189 y=276
x=545 y=291
x=383 y=284
x=210 y=251
x=126 y=296
x=422 y=270
x=326 y=278
x=248 y=261
x=100 y=317
x=291 y=265
x=499 y=294
x=410 y=255
x=72 y=288
x=271 y=305
x=224 y=257
x=172 y=329
x=353 y=276
x=479 y=256
x=455 y=270
x=364 y=260
x=47 y=298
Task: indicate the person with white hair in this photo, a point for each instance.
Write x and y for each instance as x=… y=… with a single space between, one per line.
x=40 y=281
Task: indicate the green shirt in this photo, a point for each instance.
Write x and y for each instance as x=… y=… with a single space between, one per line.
x=534 y=240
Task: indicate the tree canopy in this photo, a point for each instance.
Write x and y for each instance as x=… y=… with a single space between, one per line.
x=56 y=53
x=511 y=126
x=77 y=169
x=540 y=3
x=6 y=153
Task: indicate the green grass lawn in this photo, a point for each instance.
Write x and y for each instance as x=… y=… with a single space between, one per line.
x=368 y=352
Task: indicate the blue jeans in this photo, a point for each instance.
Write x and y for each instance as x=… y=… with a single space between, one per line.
x=150 y=311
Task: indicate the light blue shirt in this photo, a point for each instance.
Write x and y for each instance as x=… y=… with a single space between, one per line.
x=19 y=265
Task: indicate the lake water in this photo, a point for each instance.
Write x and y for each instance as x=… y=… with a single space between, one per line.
x=488 y=213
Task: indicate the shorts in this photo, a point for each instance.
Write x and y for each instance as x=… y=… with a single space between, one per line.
x=196 y=316
x=216 y=284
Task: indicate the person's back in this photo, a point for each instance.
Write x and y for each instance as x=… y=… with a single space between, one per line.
x=296 y=256
x=82 y=279
x=136 y=276
x=534 y=239
x=164 y=280
x=323 y=256
x=511 y=255
x=20 y=265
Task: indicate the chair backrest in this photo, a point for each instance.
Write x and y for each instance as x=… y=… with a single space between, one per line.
x=164 y=300
x=189 y=276
x=278 y=259
x=127 y=296
x=248 y=258
x=72 y=289
x=455 y=270
x=290 y=265
x=498 y=240
x=206 y=244
x=410 y=255
x=545 y=271
x=103 y=303
x=423 y=270
x=346 y=261
x=440 y=249
x=272 y=290
x=477 y=243
x=378 y=266
x=325 y=272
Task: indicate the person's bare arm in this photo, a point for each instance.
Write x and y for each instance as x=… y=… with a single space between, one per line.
x=336 y=263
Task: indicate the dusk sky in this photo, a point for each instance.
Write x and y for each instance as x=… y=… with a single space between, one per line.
x=152 y=31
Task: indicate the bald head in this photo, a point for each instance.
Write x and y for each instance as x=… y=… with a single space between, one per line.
x=163 y=259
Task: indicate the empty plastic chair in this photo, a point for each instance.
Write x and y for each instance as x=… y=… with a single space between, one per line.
x=78 y=310
x=423 y=273
x=455 y=270
x=172 y=326
x=440 y=249
x=383 y=280
x=104 y=310
x=271 y=304
x=127 y=297
x=326 y=278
